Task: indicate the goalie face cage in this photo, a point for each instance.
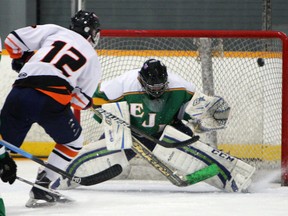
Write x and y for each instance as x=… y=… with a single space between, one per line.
x=247 y=68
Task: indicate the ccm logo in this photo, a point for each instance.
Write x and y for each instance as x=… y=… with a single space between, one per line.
x=223 y=155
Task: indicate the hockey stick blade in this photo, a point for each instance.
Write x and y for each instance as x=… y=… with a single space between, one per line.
x=87 y=180
x=104 y=175
x=202 y=174
x=100 y=111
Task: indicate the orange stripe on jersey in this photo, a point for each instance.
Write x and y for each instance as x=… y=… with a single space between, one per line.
x=61 y=98
x=66 y=151
x=11 y=51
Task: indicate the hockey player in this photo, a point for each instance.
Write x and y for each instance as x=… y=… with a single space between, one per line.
x=58 y=68
x=157 y=100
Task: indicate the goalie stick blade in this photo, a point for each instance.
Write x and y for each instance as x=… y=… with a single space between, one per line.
x=202 y=174
x=102 y=176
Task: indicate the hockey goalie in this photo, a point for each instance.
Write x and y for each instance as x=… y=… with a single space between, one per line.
x=229 y=173
x=141 y=98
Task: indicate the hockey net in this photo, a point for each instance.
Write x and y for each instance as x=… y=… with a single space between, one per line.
x=247 y=68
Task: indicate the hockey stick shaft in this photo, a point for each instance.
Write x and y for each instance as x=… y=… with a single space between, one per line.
x=87 y=180
x=39 y=161
x=148 y=156
x=42 y=188
x=100 y=111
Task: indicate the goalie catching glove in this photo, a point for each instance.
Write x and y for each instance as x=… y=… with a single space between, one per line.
x=207 y=113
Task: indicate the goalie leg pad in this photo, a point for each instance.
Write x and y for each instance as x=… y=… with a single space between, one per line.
x=234 y=176
x=92 y=159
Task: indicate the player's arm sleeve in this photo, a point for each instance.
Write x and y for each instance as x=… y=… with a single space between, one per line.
x=26 y=39
x=86 y=85
x=110 y=91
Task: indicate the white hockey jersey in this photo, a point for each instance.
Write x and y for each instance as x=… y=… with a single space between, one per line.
x=64 y=66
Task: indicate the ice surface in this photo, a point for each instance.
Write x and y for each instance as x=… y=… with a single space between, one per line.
x=148 y=198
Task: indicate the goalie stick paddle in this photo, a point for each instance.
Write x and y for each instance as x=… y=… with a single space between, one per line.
x=87 y=180
x=147 y=155
x=99 y=112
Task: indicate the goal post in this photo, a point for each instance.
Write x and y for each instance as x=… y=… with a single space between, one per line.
x=248 y=68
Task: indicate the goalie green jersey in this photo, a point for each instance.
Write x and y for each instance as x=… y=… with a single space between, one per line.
x=148 y=114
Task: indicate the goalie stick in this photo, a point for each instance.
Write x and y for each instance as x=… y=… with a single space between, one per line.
x=172 y=176
x=87 y=180
x=100 y=111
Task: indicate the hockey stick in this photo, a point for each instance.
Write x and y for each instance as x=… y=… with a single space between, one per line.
x=44 y=189
x=180 y=181
x=87 y=180
x=99 y=112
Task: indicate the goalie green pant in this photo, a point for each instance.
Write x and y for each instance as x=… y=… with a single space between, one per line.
x=234 y=175
x=2 y=207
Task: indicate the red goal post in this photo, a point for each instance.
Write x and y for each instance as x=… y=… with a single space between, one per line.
x=248 y=68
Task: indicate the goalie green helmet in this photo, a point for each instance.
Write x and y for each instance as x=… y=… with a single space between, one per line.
x=153 y=77
x=88 y=25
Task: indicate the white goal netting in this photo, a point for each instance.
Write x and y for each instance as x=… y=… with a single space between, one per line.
x=247 y=72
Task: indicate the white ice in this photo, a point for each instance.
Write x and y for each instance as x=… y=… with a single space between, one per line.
x=148 y=198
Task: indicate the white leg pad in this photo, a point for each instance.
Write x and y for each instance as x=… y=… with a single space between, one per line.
x=92 y=159
x=235 y=175
x=178 y=159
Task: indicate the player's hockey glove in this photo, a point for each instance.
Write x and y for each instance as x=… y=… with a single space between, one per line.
x=8 y=168
x=17 y=64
